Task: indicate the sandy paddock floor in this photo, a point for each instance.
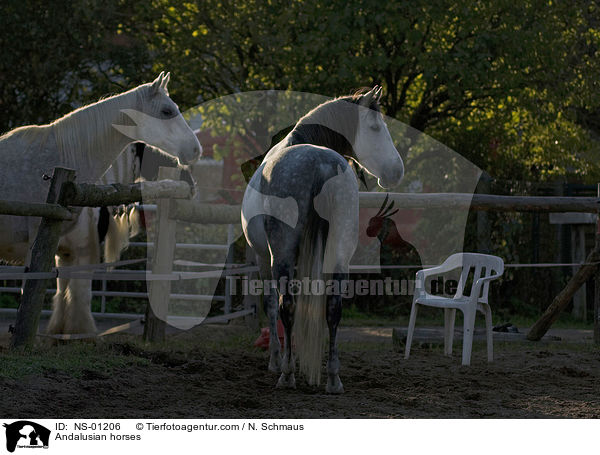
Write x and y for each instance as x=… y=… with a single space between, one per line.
x=215 y=372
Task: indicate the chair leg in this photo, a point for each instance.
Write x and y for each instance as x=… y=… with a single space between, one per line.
x=449 y=317
x=411 y=329
x=489 y=333
x=468 y=329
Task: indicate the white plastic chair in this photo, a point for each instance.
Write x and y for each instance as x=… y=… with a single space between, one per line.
x=486 y=268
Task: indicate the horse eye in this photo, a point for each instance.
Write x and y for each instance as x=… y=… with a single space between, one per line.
x=167 y=112
x=375 y=127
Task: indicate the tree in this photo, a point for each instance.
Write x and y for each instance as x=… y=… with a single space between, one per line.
x=510 y=85
x=60 y=55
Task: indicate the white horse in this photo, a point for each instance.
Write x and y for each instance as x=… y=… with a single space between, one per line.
x=71 y=303
x=87 y=140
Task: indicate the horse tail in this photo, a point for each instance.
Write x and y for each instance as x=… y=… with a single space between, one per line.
x=117 y=237
x=120 y=229
x=135 y=221
x=309 y=316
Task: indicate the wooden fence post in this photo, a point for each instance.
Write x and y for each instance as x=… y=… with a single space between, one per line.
x=162 y=263
x=229 y=260
x=561 y=301
x=484 y=230
x=597 y=282
x=42 y=260
x=577 y=257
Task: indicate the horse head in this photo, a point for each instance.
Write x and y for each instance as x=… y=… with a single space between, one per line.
x=373 y=144
x=159 y=122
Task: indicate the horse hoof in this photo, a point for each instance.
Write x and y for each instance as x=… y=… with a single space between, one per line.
x=274 y=367
x=335 y=387
x=286 y=381
x=275 y=364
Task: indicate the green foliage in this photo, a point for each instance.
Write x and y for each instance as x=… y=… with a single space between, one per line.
x=59 y=55
x=512 y=86
x=8 y=301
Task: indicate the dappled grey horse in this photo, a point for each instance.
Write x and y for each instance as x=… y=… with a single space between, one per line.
x=301 y=209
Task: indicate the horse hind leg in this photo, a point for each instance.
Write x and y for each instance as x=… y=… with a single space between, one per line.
x=270 y=309
x=286 y=308
x=334 y=315
x=339 y=250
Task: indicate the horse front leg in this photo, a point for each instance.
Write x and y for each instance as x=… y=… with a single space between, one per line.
x=72 y=302
x=71 y=311
x=57 y=318
x=78 y=316
x=334 y=315
x=63 y=258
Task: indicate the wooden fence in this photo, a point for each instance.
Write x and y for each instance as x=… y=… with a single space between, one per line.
x=173 y=203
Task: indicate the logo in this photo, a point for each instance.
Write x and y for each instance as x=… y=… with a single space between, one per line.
x=26 y=434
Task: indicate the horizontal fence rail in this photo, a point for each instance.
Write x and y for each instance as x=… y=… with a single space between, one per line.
x=202 y=213
x=46 y=210
x=102 y=195
x=187 y=246
x=170 y=318
x=134 y=295
x=192 y=211
x=482 y=202
x=96 y=196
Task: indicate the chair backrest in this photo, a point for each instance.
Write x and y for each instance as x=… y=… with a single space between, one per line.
x=483 y=266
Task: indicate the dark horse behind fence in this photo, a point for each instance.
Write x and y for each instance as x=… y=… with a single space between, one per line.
x=300 y=210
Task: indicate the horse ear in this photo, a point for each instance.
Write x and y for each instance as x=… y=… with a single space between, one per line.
x=378 y=92
x=165 y=81
x=158 y=83
x=367 y=97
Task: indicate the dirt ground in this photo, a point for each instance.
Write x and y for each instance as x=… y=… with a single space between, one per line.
x=204 y=374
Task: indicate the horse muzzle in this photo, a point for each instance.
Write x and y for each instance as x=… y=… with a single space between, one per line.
x=191 y=158
x=391 y=178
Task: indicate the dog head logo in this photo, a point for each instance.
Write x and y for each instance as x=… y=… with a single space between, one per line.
x=26 y=434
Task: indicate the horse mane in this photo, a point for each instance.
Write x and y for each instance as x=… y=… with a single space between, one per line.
x=78 y=131
x=332 y=124
x=84 y=130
